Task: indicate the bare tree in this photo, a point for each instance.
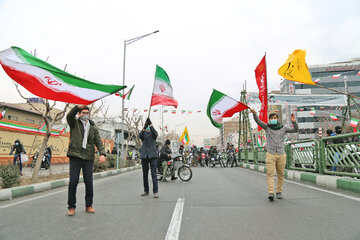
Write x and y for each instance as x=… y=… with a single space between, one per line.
x=49 y=123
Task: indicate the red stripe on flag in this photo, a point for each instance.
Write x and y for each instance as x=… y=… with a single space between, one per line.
x=161 y=100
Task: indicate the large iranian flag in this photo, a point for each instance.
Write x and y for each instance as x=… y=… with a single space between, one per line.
x=162 y=92
x=221 y=106
x=49 y=82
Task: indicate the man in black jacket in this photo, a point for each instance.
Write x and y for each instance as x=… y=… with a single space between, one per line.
x=165 y=157
x=149 y=155
x=19 y=149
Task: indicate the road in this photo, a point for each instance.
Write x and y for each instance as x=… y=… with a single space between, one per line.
x=217 y=203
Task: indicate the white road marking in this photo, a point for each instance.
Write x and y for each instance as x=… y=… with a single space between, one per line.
x=311 y=187
x=64 y=190
x=174 y=227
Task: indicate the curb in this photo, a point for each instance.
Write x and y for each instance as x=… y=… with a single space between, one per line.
x=10 y=193
x=335 y=182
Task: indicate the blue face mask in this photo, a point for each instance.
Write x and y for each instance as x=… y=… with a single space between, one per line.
x=148 y=128
x=16 y=144
x=273 y=121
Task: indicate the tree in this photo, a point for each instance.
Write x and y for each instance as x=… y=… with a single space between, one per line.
x=49 y=123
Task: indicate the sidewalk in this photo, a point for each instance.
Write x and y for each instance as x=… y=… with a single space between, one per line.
x=10 y=193
x=336 y=182
x=54 y=169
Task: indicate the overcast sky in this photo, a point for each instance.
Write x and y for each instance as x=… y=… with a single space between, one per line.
x=202 y=44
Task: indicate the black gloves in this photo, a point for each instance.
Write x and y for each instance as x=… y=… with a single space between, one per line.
x=148 y=122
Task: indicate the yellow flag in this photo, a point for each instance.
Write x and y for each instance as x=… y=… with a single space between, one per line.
x=295 y=68
x=185 y=137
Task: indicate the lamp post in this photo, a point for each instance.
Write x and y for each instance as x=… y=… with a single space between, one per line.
x=126 y=42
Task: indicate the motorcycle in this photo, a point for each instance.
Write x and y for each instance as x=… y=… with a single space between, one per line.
x=231 y=159
x=45 y=163
x=202 y=159
x=216 y=160
x=176 y=164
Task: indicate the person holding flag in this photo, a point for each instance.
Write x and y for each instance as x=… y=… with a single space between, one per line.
x=149 y=155
x=275 y=154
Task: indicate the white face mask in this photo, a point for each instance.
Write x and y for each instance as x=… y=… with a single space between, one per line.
x=84 y=117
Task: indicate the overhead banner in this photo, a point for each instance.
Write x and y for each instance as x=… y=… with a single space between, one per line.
x=301 y=100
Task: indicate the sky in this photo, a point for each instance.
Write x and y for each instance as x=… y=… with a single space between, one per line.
x=202 y=45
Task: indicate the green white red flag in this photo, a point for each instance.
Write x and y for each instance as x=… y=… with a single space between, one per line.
x=184 y=138
x=162 y=92
x=333 y=117
x=221 y=106
x=126 y=95
x=49 y=82
x=354 y=122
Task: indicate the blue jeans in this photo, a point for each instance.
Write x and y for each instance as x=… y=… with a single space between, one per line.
x=337 y=160
x=75 y=166
x=16 y=156
x=145 y=168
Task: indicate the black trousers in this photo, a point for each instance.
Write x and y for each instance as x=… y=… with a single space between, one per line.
x=76 y=164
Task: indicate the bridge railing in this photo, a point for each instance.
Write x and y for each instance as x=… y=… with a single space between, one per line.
x=320 y=156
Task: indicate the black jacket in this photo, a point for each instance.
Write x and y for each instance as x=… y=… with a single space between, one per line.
x=148 y=148
x=18 y=149
x=164 y=153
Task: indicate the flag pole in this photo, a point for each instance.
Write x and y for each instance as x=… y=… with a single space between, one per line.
x=152 y=94
x=334 y=90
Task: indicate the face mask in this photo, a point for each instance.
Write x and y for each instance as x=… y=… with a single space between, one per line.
x=273 y=121
x=338 y=132
x=16 y=144
x=148 y=128
x=84 y=117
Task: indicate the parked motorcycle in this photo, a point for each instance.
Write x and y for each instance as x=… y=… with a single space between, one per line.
x=46 y=160
x=176 y=164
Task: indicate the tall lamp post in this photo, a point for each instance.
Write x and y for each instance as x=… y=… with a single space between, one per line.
x=126 y=42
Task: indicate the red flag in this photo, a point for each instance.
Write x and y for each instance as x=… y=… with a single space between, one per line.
x=260 y=74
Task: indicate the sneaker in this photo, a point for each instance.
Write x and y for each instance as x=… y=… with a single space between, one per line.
x=173 y=178
x=279 y=196
x=156 y=195
x=144 y=194
x=271 y=197
x=90 y=209
x=164 y=180
x=71 y=212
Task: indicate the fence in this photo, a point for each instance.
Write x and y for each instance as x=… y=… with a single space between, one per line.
x=336 y=155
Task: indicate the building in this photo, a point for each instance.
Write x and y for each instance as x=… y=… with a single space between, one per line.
x=341 y=76
x=18 y=113
x=229 y=132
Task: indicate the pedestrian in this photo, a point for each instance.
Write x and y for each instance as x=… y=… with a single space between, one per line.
x=275 y=155
x=149 y=155
x=84 y=136
x=339 y=148
x=165 y=156
x=19 y=149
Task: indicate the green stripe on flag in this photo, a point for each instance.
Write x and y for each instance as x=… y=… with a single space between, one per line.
x=64 y=76
x=161 y=75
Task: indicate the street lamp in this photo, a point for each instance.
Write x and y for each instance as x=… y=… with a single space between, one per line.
x=126 y=42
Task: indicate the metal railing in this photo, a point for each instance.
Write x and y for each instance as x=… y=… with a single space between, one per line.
x=327 y=155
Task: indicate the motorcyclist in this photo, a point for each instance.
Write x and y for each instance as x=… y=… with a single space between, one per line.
x=201 y=151
x=231 y=151
x=165 y=156
x=19 y=149
x=181 y=150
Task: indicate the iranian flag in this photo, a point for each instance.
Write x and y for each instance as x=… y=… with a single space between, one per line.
x=336 y=76
x=312 y=112
x=2 y=114
x=354 y=122
x=221 y=106
x=49 y=82
x=126 y=95
x=333 y=117
x=162 y=92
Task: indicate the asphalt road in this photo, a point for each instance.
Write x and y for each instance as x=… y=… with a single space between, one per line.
x=217 y=203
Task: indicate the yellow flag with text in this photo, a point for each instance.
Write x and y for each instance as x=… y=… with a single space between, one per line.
x=185 y=137
x=295 y=68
